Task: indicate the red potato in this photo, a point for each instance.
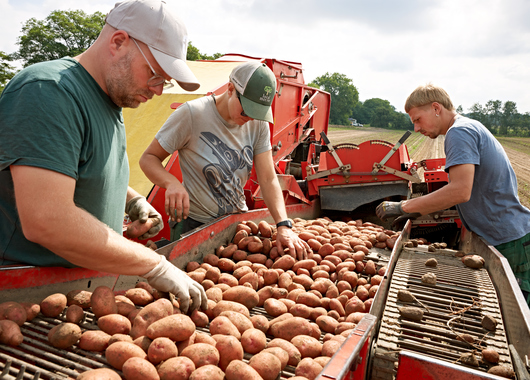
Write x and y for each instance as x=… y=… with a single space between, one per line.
x=207 y=372
x=120 y=338
x=179 y=368
x=307 y=345
x=151 y=313
x=267 y=365
x=64 y=335
x=75 y=314
x=253 y=341
x=285 y=262
x=274 y=307
x=290 y=328
x=330 y=347
x=243 y=295
x=118 y=353
x=114 y=324
x=137 y=228
x=10 y=333
x=253 y=227
x=139 y=369
x=53 y=305
x=103 y=301
x=308 y=368
x=161 y=349
x=280 y=353
x=238 y=370
x=228 y=306
x=229 y=349
x=239 y=320
x=260 y=322
x=222 y=325
x=204 y=338
x=32 y=310
x=13 y=311
x=99 y=374
x=201 y=354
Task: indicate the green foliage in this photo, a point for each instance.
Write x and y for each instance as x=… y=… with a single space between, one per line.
x=6 y=70
x=194 y=54
x=344 y=96
x=61 y=34
x=501 y=118
x=379 y=113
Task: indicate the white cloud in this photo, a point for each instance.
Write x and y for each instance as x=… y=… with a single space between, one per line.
x=477 y=49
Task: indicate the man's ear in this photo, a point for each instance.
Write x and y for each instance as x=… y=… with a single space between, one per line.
x=230 y=88
x=119 y=42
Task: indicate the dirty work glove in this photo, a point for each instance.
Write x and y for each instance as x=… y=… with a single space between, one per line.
x=387 y=210
x=168 y=278
x=399 y=222
x=139 y=209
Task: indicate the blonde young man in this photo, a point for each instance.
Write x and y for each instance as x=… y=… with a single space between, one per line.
x=218 y=139
x=63 y=165
x=482 y=183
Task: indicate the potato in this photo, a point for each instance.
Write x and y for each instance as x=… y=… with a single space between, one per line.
x=429 y=278
x=308 y=299
x=222 y=325
x=103 y=301
x=239 y=320
x=114 y=324
x=307 y=345
x=177 y=327
x=139 y=296
x=13 y=311
x=10 y=333
x=260 y=322
x=266 y=364
x=123 y=338
x=151 y=313
x=290 y=328
x=253 y=341
x=94 y=340
x=490 y=355
x=280 y=353
x=411 y=313
x=229 y=306
x=75 y=314
x=229 y=349
x=161 y=349
x=274 y=307
x=32 y=310
x=503 y=371
x=139 y=369
x=292 y=351
x=118 y=353
x=53 y=305
x=330 y=347
x=243 y=295
x=201 y=354
x=178 y=368
x=238 y=370
x=199 y=318
x=489 y=323
x=285 y=262
x=186 y=343
x=327 y=324
x=64 y=335
x=99 y=374
x=207 y=372
x=79 y=298
x=143 y=342
x=308 y=368
x=473 y=261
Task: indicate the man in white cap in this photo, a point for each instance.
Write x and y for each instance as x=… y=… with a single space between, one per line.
x=218 y=139
x=63 y=165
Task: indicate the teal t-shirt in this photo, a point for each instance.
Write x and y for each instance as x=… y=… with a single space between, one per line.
x=54 y=115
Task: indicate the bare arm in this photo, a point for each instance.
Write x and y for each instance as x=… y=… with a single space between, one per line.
x=273 y=197
x=49 y=217
x=177 y=204
x=458 y=190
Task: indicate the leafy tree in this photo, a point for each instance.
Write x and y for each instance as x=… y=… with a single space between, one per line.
x=344 y=96
x=61 y=34
x=194 y=54
x=381 y=117
x=459 y=109
x=6 y=70
x=509 y=115
x=401 y=121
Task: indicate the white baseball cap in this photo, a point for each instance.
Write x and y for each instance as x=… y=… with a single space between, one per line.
x=151 y=22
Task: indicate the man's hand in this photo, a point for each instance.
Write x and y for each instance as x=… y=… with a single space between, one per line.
x=387 y=210
x=177 y=202
x=168 y=278
x=139 y=209
x=400 y=221
x=285 y=237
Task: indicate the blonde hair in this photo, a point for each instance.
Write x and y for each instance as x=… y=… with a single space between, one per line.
x=427 y=94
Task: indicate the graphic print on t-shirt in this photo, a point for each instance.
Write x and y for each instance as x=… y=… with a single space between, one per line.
x=223 y=182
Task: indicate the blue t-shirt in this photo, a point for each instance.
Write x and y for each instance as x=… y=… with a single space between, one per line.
x=493 y=211
x=54 y=115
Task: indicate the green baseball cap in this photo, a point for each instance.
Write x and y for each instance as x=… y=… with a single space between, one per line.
x=256 y=84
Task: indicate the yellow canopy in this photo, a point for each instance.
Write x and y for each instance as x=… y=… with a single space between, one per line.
x=143 y=123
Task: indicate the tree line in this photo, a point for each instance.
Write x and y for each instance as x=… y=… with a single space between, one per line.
x=69 y=33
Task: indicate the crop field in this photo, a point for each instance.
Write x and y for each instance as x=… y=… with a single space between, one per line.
x=421 y=147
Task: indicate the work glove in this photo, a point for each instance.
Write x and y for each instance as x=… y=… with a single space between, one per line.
x=400 y=221
x=168 y=278
x=387 y=210
x=139 y=209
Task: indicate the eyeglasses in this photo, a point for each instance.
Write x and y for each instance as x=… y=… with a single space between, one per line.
x=242 y=112
x=157 y=79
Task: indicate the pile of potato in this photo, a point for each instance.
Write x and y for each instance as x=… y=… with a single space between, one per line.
x=315 y=303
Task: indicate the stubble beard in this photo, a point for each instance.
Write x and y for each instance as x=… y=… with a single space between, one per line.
x=120 y=84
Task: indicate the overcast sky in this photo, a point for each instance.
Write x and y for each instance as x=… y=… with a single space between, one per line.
x=478 y=50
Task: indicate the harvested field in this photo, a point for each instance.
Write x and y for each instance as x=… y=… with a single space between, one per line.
x=421 y=147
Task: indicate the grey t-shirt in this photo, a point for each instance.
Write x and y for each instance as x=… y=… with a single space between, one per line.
x=215 y=157
x=493 y=211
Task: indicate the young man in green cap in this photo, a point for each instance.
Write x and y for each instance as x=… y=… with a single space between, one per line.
x=218 y=138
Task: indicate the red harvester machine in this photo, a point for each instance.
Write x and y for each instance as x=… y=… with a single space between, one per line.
x=321 y=179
